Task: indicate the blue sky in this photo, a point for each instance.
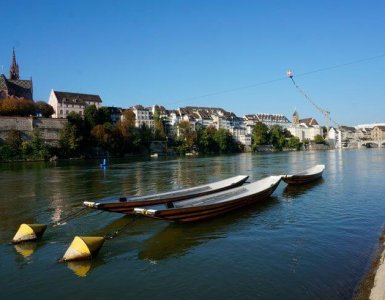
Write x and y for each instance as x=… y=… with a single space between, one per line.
x=174 y=52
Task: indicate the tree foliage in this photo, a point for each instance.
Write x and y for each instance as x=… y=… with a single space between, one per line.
x=12 y=106
x=43 y=109
x=294 y=143
x=260 y=134
x=159 y=131
x=68 y=141
x=318 y=139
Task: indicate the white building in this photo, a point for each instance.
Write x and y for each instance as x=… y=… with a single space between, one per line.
x=142 y=116
x=274 y=119
x=240 y=135
x=334 y=137
x=65 y=102
x=305 y=129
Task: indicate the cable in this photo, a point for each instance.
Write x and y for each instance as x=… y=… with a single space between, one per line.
x=279 y=79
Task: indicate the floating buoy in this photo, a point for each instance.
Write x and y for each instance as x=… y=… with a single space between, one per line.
x=29 y=232
x=104 y=163
x=83 y=247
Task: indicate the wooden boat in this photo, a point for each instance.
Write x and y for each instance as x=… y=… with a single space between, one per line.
x=126 y=205
x=306 y=176
x=212 y=205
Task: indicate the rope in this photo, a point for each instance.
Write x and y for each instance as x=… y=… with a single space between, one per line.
x=115 y=233
x=78 y=213
x=324 y=111
x=358 y=61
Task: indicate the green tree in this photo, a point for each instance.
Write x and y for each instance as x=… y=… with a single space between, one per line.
x=103 y=116
x=277 y=137
x=44 y=109
x=260 y=135
x=68 y=141
x=14 y=140
x=205 y=140
x=38 y=148
x=91 y=116
x=294 y=143
x=224 y=140
x=318 y=139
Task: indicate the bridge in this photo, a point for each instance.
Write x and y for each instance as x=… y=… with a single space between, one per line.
x=371 y=143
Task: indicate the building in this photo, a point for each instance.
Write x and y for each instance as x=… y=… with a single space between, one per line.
x=305 y=129
x=14 y=86
x=334 y=137
x=273 y=119
x=240 y=135
x=115 y=113
x=378 y=133
x=143 y=116
x=65 y=102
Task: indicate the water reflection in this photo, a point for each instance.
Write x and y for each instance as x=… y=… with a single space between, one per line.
x=177 y=239
x=292 y=191
x=83 y=268
x=26 y=249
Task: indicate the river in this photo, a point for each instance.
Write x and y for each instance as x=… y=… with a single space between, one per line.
x=313 y=242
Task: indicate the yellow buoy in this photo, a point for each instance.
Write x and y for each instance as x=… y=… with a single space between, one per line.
x=83 y=247
x=29 y=232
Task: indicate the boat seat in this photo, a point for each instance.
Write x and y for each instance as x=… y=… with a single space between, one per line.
x=170 y=205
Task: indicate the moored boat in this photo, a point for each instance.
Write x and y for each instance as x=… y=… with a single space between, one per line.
x=305 y=176
x=126 y=205
x=212 y=205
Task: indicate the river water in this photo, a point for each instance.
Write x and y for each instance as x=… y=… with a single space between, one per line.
x=313 y=242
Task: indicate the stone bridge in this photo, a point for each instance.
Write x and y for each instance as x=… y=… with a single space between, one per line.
x=376 y=143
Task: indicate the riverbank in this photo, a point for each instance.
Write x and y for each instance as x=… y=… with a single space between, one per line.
x=373 y=285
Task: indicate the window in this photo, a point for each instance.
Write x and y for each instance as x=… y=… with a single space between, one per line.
x=61 y=111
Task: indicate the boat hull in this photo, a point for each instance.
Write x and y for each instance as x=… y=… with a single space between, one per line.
x=304 y=177
x=127 y=207
x=297 y=179
x=197 y=213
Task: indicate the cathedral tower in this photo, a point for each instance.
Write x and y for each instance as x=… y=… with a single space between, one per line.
x=14 y=71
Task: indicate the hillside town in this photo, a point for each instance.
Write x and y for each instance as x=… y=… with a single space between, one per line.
x=66 y=103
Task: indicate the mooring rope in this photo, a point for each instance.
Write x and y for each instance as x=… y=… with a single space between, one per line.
x=80 y=212
x=115 y=233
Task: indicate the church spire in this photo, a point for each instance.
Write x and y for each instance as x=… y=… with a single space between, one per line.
x=14 y=71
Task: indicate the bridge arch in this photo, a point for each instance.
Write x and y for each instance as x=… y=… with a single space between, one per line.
x=372 y=144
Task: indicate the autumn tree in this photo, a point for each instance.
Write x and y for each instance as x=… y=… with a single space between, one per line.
x=186 y=135
x=12 y=106
x=159 y=132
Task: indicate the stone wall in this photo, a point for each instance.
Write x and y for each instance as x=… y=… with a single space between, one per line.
x=49 y=128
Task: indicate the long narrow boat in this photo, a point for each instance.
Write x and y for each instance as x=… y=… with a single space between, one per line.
x=306 y=176
x=212 y=205
x=126 y=205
